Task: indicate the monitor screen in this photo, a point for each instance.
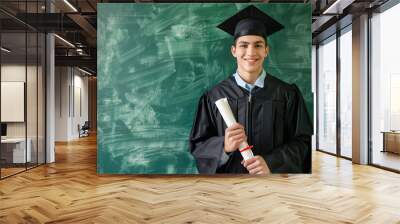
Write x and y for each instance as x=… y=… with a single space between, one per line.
x=3 y=129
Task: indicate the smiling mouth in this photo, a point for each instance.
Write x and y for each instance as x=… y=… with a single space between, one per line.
x=251 y=60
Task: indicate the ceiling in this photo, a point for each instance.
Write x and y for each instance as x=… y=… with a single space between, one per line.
x=76 y=21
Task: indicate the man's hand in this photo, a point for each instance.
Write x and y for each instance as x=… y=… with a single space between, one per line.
x=256 y=165
x=234 y=136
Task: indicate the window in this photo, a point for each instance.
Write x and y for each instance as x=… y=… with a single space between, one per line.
x=346 y=92
x=327 y=96
x=385 y=89
x=22 y=77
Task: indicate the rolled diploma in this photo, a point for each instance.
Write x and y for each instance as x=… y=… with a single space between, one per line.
x=227 y=115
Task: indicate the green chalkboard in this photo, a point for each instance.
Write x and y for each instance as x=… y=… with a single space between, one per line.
x=155 y=61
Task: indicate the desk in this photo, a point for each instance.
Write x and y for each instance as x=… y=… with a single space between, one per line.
x=16 y=147
x=391 y=141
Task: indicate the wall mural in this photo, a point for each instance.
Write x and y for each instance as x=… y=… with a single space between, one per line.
x=154 y=63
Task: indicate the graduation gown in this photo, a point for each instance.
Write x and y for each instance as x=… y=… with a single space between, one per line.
x=275 y=119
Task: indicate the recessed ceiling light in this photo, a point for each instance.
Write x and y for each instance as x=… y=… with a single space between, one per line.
x=5 y=50
x=84 y=71
x=64 y=40
x=70 y=5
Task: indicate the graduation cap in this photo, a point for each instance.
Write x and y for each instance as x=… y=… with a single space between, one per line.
x=250 y=21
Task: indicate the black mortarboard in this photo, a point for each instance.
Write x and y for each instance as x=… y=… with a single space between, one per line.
x=250 y=21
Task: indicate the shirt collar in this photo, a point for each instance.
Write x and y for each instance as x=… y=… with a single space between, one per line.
x=259 y=82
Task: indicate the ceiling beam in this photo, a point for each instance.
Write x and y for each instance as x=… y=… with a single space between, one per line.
x=337 y=6
x=86 y=26
x=83 y=61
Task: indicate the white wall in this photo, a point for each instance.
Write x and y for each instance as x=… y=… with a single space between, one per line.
x=13 y=101
x=17 y=73
x=61 y=103
x=33 y=126
x=71 y=102
x=14 y=72
x=80 y=110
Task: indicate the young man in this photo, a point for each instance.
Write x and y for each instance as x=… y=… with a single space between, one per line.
x=271 y=114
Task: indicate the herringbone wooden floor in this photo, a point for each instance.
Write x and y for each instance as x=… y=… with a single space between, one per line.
x=70 y=191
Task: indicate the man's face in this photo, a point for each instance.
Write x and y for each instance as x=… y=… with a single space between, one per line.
x=250 y=52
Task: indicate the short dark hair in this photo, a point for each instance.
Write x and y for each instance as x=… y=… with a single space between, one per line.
x=235 y=40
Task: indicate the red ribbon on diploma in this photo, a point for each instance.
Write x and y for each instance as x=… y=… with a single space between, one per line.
x=246 y=148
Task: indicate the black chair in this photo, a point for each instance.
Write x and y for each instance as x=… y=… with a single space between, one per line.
x=84 y=130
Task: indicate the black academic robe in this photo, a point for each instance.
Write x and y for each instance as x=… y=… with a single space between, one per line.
x=275 y=119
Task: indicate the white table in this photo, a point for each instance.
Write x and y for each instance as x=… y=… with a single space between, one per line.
x=18 y=145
